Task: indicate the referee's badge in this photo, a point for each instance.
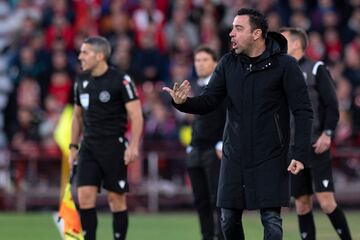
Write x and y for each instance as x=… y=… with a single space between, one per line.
x=122 y=183
x=85 y=83
x=325 y=182
x=84 y=100
x=104 y=96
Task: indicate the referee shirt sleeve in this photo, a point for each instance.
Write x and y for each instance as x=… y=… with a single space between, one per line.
x=76 y=92
x=328 y=97
x=128 y=89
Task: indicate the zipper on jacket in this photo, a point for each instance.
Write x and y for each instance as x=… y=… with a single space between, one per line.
x=277 y=123
x=250 y=67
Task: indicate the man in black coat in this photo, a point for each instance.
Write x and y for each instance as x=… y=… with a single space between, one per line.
x=319 y=172
x=261 y=82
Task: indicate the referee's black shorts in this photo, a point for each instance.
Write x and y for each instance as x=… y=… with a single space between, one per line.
x=101 y=164
x=318 y=177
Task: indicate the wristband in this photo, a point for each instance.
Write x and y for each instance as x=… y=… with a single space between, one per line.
x=328 y=132
x=73 y=145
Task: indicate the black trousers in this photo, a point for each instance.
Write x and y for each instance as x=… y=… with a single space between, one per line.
x=203 y=169
x=231 y=224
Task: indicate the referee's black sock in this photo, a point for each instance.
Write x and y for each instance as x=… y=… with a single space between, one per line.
x=120 y=224
x=338 y=220
x=88 y=223
x=307 y=226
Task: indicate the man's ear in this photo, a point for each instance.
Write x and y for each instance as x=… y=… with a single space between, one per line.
x=100 y=56
x=297 y=43
x=257 y=34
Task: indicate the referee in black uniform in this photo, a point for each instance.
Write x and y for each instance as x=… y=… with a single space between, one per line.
x=326 y=114
x=202 y=162
x=104 y=101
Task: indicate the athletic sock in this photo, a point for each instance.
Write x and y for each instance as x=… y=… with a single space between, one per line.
x=120 y=224
x=338 y=220
x=307 y=226
x=88 y=223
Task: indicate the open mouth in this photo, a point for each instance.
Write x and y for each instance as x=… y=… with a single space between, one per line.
x=233 y=45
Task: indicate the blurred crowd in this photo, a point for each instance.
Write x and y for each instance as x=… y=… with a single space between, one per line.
x=152 y=41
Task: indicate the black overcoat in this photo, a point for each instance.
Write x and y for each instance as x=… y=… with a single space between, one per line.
x=259 y=94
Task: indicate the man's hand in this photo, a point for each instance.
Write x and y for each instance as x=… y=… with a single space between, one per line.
x=295 y=167
x=322 y=144
x=131 y=154
x=218 y=149
x=179 y=93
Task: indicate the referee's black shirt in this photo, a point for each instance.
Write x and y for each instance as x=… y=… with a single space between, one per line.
x=103 y=100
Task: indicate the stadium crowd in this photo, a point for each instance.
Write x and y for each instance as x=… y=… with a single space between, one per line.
x=152 y=41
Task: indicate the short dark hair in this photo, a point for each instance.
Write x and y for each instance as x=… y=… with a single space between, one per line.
x=208 y=50
x=101 y=44
x=298 y=33
x=257 y=19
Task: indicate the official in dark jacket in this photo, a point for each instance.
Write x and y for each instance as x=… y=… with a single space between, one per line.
x=261 y=82
x=317 y=177
x=202 y=163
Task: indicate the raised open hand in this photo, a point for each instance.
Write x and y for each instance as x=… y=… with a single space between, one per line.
x=179 y=93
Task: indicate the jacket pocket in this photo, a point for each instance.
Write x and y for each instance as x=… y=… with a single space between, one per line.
x=278 y=129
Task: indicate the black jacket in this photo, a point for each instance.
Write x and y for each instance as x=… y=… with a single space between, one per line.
x=322 y=96
x=259 y=93
x=208 y=129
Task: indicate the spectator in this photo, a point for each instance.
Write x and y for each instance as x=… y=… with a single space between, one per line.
x=274 y=20
x=123 y=56
x=25 y=64
x=48 y=125
x=160 y=124
x=299 y=19
x=120 y=24
x=28 y=93
x=59 y=8
x=179 y=26
x=333 y=45
x=209 y=33
x=352 y=28
x=147 y=14
x=323 y=7
x=26 y=139
x=60 y=87
x=149 y=61
x=316 y=48
x=60 y=28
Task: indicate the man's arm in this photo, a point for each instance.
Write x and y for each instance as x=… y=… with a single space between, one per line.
x=134 y=112
x=76 y=131
x=299 y=102
x=207 y=102
x=326 y=90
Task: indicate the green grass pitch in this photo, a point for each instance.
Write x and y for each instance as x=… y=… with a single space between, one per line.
x=165 y=226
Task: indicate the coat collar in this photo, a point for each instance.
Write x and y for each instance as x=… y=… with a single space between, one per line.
x=275 y=44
